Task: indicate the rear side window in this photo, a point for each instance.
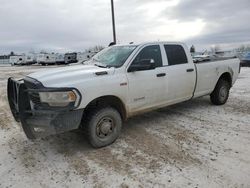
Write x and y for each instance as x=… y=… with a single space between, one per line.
x=176 y=54
x=150 y=52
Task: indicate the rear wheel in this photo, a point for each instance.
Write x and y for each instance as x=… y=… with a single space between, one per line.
x=221 y=92
x=103 y=126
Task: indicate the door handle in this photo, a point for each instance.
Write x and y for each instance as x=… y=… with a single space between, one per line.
x=161 y=75
x=190 y=70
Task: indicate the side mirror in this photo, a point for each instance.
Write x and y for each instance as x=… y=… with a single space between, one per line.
x=144 y=64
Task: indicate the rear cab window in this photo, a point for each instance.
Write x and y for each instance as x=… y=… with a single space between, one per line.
x=176 y=54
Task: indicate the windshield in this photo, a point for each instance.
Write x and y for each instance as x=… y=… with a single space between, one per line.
x=114 y=56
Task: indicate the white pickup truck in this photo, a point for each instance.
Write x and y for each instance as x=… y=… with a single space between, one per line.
x=117 y=83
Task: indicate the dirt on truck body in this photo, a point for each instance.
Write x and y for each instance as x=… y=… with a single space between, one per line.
x=192 y=144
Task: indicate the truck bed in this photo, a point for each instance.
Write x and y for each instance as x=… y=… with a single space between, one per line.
x=209 y=72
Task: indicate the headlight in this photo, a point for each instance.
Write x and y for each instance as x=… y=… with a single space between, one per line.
x=59 y=99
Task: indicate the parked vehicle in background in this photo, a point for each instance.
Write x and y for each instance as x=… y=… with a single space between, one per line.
x=245 y=60
x=17 y=60
x=119 y=82
x=226 y=54
x=82 y=57
x=213 y=56
x=201 y=57
x=91 y=54
x=60 y=59
x=70 y=58
x=30 y=59
x=46 y=58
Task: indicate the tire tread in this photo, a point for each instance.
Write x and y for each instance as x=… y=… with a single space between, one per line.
x=93 y=113
x=214 y=97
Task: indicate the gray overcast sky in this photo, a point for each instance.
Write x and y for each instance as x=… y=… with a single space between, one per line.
x=73 y=25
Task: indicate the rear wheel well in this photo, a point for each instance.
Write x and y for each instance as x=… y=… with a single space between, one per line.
x=227 y=77
x=105 y=101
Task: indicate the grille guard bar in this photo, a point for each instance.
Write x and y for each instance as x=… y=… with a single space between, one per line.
x=38 y=122
x=13 y=93
x=19 y=103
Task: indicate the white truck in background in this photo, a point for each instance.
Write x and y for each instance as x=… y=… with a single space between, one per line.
x=116 y=84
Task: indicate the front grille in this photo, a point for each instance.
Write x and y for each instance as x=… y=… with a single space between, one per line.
x=35 y=98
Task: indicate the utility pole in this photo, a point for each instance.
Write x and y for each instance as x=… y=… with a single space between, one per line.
x=113 y=21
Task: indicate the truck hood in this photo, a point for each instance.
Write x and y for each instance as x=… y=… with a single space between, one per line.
x=66 y=76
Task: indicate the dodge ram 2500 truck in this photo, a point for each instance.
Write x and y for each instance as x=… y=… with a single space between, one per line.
x=117 y=83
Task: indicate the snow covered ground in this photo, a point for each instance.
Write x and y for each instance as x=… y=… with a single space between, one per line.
x=192 y=144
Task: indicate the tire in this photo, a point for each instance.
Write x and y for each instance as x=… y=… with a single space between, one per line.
x=221 y=92
x=102 y=126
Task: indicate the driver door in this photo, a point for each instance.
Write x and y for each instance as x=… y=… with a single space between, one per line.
x=146 y=87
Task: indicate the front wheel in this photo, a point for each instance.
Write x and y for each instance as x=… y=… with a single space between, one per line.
x=220 y=93
x=103 y=126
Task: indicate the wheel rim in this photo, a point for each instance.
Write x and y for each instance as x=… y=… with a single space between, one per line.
x=223 y=93
x=105 y=127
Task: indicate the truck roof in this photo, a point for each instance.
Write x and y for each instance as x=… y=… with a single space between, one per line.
x=147 y=43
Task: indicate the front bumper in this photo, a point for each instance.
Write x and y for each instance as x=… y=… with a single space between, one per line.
x=37 y=121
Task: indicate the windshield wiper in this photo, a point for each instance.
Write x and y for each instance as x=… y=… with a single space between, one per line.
x=101 y=65
x=95 y=59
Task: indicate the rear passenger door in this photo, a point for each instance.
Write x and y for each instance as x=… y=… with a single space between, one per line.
x=181 y=74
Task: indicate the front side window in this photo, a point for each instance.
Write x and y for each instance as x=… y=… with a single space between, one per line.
x=176 y=54
x=150 y=53
x=114 y=56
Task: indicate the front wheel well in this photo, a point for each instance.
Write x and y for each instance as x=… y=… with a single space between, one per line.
x=105 y=101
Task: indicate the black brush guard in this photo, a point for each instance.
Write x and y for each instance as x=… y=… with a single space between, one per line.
x=12 y=90
x=19 y=103
x=38 y=122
